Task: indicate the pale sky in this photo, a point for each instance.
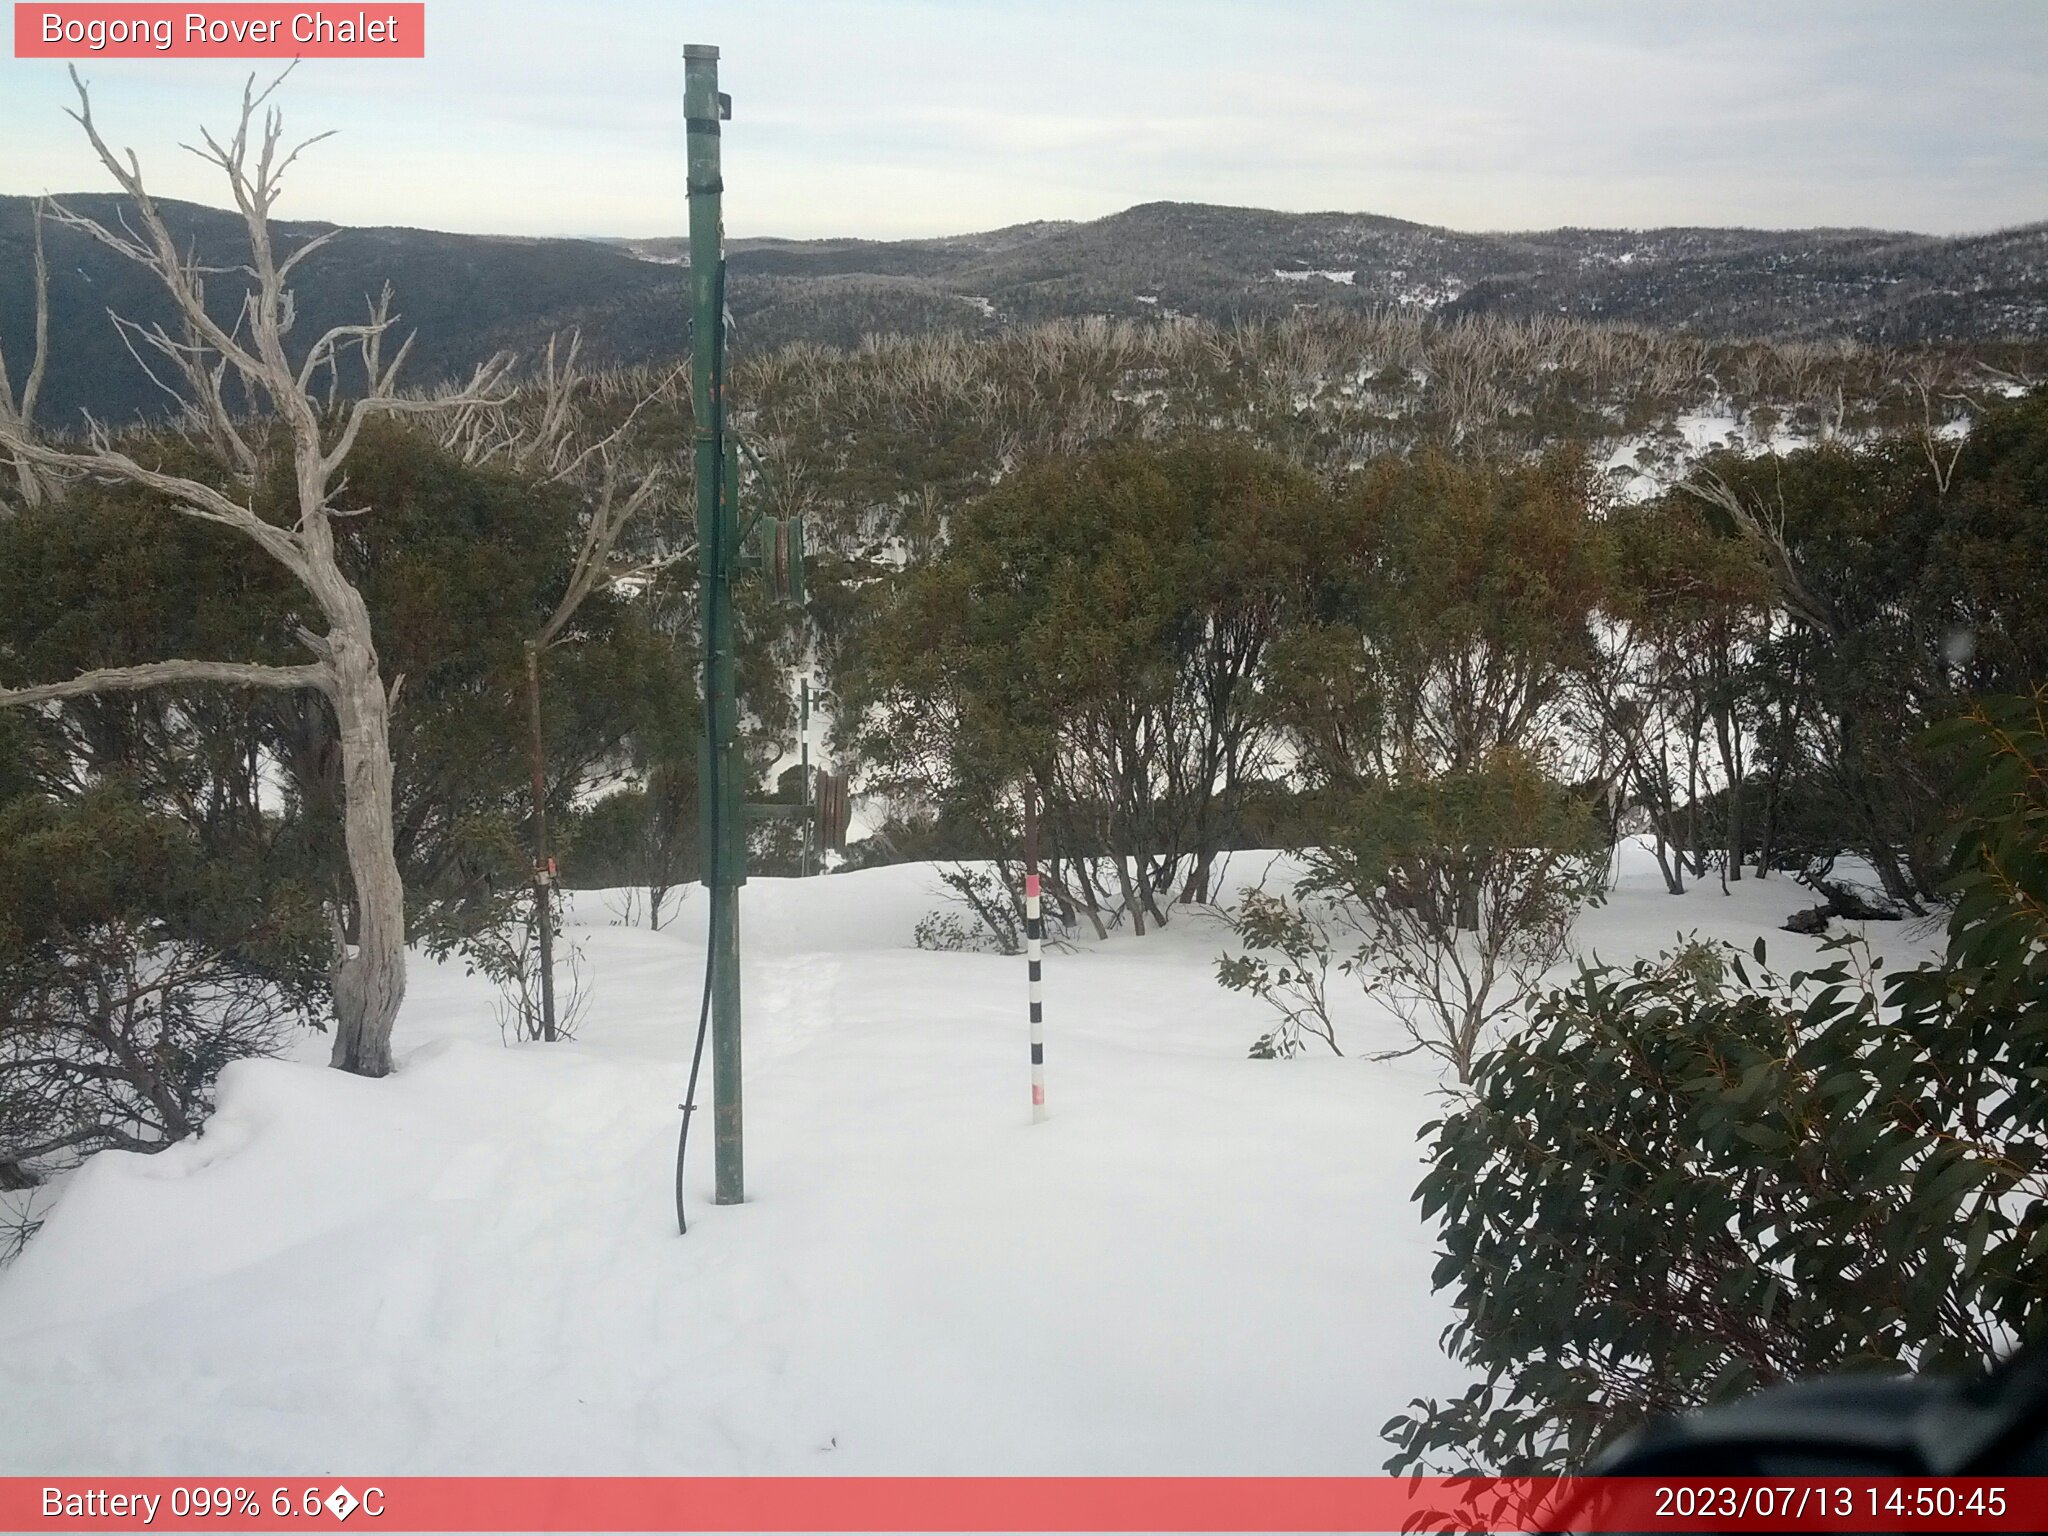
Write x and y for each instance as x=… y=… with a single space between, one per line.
x=889 y=118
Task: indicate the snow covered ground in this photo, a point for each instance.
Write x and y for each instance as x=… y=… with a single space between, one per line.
x=1201 y=1264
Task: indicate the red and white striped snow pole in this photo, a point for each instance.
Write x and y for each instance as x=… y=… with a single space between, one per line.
x=1034 y=932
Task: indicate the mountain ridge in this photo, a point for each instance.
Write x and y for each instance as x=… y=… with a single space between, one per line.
x=470 y=295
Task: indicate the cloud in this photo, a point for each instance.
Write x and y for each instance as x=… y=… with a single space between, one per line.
x=893 y=117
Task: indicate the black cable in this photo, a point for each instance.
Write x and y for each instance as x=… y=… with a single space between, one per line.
x=689 y=1105
x=713 y=788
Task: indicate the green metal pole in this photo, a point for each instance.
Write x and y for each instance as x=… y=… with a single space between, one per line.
x=804 y=773
x=719 y=782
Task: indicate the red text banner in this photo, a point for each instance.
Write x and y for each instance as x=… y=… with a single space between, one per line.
x=381 y=1504
x=115 y=31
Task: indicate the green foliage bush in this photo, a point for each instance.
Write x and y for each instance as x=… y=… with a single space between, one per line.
x=1297 y=988
x=459 y=566
x=133 y=967
x=1691 y=1178
x=1457 y=890
x=996 y=912
x=644 y=835
x=1098 y=624
x=1920 y=589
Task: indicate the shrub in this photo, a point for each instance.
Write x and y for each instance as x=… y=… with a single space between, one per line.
x=1298 y=987
x=998 y=914
x=132 y=970
x=1686 y=1182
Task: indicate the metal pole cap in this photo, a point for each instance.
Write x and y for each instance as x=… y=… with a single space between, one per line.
x=700 y=51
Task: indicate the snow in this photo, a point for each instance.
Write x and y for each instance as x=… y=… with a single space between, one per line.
x=1647 y=464
x=1704 y=430
x=1430 y=295
x=1200 y=1264
x=1343 y=275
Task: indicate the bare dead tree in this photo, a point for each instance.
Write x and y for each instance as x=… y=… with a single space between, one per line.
x=1933 y=379
x=593 y=568
x=2021 y=381
x=17 y=412
x=549 y=441
x=1763 y=529
x=369 y=972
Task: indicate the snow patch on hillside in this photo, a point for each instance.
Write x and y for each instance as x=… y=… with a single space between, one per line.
x=1645 y=465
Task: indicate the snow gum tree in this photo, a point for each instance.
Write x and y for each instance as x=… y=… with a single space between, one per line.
x=248 y=359
x=1099 y=625
x=1670 y=678
x=1427 y=709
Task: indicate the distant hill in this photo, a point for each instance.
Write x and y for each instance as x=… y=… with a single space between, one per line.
x=469 y=295
x=1222 y=263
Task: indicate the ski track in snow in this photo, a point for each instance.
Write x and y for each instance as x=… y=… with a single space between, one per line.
x=1201 y=1264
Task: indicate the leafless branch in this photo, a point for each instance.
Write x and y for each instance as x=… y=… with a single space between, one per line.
x=483 y=388
x=593 y=558
x=157 y=674
x=604 y=444
x=192 y=497
x=1765 y=533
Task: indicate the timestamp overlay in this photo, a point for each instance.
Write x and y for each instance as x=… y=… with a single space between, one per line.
x=1023 y=1504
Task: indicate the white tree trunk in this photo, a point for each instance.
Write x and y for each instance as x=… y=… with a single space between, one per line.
x=369 y=981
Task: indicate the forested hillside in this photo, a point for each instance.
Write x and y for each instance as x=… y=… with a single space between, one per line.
x=1224 y=263
x=466 y=297
x=471 y=295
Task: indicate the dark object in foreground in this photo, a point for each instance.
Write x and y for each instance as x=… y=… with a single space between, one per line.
x=1851 y=1426
x=1811 y=921
x=1875 y=1426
